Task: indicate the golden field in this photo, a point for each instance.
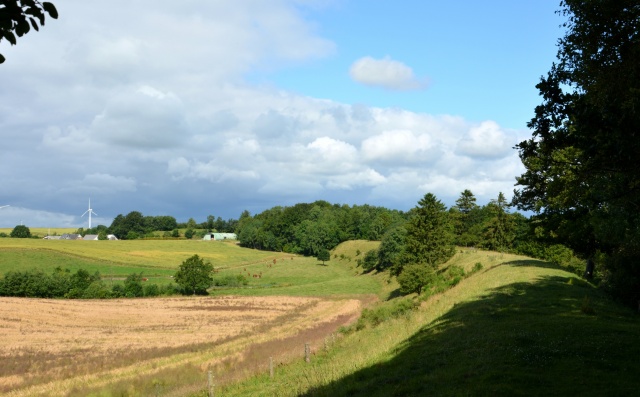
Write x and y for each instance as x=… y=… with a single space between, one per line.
x=79 y=347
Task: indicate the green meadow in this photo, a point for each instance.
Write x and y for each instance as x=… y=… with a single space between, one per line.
x=515 y=327
x=269 y=273
x=518 y=327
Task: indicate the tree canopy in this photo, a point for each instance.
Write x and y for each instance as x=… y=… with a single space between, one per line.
x=194 y=275
x=20 y=231
x=17 y=17
x=582 y=177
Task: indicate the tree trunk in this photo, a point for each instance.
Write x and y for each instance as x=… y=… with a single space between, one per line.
x=588 y=271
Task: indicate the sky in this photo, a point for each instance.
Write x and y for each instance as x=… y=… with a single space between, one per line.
x=212 y=107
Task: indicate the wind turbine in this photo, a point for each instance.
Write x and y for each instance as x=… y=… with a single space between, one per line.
x=89 y=211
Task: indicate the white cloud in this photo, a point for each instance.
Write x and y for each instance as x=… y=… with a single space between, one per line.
x=385 y=73
x=486 y=140
x=161 y=120
x=399 y=145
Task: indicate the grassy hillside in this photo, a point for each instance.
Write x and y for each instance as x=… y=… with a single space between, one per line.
x=518 y=327
x=269 y=273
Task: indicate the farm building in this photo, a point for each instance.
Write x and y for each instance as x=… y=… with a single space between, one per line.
x=220 y=236
x=90 y=237
x=71 y=236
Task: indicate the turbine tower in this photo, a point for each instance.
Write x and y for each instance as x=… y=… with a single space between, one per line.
x=89 y=211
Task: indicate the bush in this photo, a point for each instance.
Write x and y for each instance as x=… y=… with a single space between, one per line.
x=133 y=286
x=454 y=275
x=385 y=312
x=151 y=290
x=231 y=281
x=96 y=290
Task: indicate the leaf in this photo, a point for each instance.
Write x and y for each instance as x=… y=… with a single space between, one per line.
x=2 y=59
x=34 y=23
x=50 y=9
x=9 y=36
x=23 y=27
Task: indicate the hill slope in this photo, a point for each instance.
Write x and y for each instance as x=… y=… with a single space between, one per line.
x=518 y=327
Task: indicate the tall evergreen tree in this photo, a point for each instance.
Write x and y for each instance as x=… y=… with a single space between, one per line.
x=429 y=238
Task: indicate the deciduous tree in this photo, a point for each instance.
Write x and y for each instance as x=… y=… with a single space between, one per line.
x=194 y=275
x=582 y=177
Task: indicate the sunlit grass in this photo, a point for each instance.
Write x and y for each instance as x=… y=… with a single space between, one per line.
x=517 y=327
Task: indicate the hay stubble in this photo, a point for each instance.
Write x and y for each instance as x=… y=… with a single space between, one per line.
x=49 y=346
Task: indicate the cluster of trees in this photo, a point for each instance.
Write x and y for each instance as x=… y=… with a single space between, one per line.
x=582 y=178
x=432 y=230
x=135 y=225
x=308 y=229
x=62 y=283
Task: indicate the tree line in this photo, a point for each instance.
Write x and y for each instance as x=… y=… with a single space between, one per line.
x=62 y=283
x=308 y=228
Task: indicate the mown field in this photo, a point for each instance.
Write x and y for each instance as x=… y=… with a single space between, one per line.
x=516 y=327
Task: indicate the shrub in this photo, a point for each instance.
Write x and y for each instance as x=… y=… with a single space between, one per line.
x=133 y=286
x=415 y=277
x=231 y=281
x=151 y=290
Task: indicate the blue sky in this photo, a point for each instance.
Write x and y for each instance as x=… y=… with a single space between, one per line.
x=203 y=108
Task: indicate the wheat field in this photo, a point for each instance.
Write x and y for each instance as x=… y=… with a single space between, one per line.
x=74 y=347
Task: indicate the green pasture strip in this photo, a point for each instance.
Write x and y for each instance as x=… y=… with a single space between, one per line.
x=300 y=277
x=47 y=260
x=155 y=254
x=517 y=327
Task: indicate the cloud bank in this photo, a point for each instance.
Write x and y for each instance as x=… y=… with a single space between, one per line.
x=156 y=116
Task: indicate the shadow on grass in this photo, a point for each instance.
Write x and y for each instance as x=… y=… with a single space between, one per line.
x=558 y=336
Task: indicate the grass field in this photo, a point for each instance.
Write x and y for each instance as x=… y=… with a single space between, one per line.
x=519 y=327
x=516 y=327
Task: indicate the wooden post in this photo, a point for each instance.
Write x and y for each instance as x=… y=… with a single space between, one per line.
x=307 y=352
x=210 y=384
x=271 y=367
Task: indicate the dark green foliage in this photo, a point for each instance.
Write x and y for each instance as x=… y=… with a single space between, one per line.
x=391 y=250
x=20 y=231
x=499 y=230
x=133 y=286
x=97 y=290
x=231 y=281
x=415 y=277
x=582 y=173
x=324 y=255
x=134 y=225
x=194 y=275
x=188 y=234
x=17 y=17
x=307 y=228
x=370 y=260
x=429 y=238
x=79 y=285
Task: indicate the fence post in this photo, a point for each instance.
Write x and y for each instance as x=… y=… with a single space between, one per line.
x=271 y=367
x=210 y=384
x=307 y=352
